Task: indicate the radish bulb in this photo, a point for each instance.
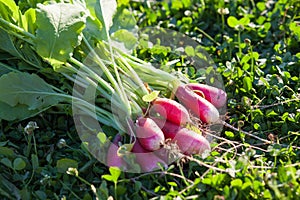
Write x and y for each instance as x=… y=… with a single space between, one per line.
x=147 y=160
x=216 y=96
x=170 y=110
x=189 y=142
x=149 y=134
x=112 y=157
x=199 y=106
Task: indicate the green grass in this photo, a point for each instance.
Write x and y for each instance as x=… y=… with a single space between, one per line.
x=255 y=48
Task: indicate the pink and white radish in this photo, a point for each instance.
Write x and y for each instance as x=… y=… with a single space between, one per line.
x=170 y=110
x=113 y=159
x=147 y=160
x=168 y=128
x=199 y=106
x=190 y=142
x=216 y=96
x=149 y=134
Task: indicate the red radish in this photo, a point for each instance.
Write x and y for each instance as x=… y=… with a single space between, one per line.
x=212 y=94
x=149 y=134
x=170 y=110
x=199 y=106
x=146 y=159
x=189 y=142
x=113 y=159
x=168 y=128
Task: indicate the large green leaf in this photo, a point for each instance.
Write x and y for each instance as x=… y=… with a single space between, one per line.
x=23 y=95
x=6 y=44
x=18 y=112
x=18 y=49
x=59 y=27
x=124 y=30
x=108 y=20
x=94 y=29
x=29 y=20
x=105 y=10
x=9 y=10
x=124 y=19
x=124 y=39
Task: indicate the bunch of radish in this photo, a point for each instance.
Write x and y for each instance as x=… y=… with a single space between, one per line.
x=167 y=123
x=95 y=65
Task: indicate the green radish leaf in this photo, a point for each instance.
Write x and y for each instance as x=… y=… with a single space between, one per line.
x=29 y=56
x=3 y=70
x=9 y=10
x=19 y=49
x=18 y=112
x=94 y=29
x=18 y=88
x=124 y=38
x=150 y=97
x=124 y=19
x=30 y=19
x=105 y=10
x=6 y=44
x=94 y=26
x=59 y=28
x=19 y=164
x=124 y=30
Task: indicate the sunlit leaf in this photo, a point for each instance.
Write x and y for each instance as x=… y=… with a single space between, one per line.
x=105 y=10
x=58 y=30
x=247 y=83
x=9 y=10
x=151 y=96
x=26 y=91
x=232 y=21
